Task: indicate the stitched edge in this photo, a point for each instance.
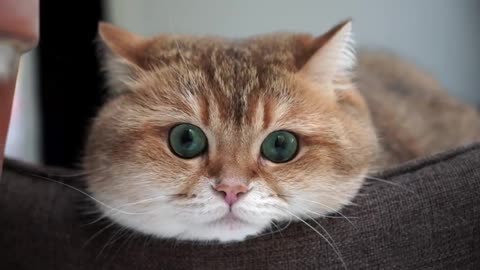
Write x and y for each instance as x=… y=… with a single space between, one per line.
x=421 y=163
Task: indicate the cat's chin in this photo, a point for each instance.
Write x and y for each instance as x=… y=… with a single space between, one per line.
x=224 y=231
x=228 y=228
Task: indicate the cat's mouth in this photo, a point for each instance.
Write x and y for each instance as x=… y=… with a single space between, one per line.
x=231 y=220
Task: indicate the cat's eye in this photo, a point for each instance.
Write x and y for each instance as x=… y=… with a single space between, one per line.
x=280 y=146
x=187 y=141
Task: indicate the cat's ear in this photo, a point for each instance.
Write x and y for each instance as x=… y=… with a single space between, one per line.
x=122 y=43
x=332 y=54
x=123 y=55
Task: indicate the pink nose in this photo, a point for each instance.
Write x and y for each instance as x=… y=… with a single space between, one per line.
x=231 y=193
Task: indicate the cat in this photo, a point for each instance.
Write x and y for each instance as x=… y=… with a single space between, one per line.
x=214 y=139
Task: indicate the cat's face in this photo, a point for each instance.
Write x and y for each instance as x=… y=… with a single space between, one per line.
x=215 y=139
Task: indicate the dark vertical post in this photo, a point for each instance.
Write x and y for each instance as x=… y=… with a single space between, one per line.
x=70 y=81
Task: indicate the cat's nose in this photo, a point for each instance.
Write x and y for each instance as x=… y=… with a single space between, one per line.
x=231 y=193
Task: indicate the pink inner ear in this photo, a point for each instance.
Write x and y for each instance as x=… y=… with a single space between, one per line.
x=333 y=56
x=124 y=44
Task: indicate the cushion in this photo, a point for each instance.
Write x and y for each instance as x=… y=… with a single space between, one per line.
x=424 y=214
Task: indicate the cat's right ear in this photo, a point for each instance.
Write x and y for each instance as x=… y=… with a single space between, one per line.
x=123 y=55
x=333 y=55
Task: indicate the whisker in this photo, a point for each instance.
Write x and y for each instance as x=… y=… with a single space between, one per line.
x=116 y=236
x=127 y=235
x=147 y=200
x=78 y=174
x=325 y=216
x=390 y=183
x=326 y=232
x=131 y=236
x=142 y=201
x=87 y=195
x=326 y=206
x=321 y=235
x=98 y=219
x=279 y=229
x=319 y=225
x=97 y=234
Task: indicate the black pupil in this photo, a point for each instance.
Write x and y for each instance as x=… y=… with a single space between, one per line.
x=280 y=142
x=187 y=138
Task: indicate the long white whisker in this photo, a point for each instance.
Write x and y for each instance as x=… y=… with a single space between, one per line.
x=389 y=182
x=87 y=195
x=97 y=233
x=321 y=227
x=279 y=229
x=145 y=200
x=326 y=206
x=78 y=174
x=321 y=235
x=324 y=216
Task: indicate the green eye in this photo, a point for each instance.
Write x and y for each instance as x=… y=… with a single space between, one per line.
x=280 y=146
x=187 y=141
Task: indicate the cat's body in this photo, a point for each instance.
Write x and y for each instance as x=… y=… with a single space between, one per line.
x=413 y=114
x=216 y=139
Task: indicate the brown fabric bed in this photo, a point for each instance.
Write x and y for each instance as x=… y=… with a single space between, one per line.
x=429 y=219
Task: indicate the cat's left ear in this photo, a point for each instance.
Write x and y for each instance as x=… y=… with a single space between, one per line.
x=122 y=43
x=332 y=54
x=124 y=57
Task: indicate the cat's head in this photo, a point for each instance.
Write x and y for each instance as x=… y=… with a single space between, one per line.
x=208 y=138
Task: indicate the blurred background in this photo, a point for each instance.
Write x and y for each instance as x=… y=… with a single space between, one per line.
x=60 y=86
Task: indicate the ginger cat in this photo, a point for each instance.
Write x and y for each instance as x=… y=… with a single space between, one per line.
x=208 y=138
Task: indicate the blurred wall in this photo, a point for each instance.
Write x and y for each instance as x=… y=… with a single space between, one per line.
x=23 y=139
x=442 y=36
